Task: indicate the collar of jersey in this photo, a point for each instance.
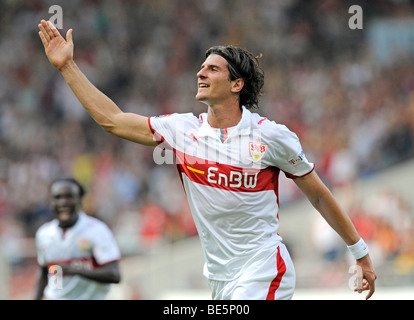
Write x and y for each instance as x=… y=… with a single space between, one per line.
x=242 y=128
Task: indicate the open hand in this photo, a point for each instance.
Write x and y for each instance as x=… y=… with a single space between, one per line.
x=58 y=50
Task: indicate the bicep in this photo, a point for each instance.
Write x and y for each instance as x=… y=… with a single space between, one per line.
x=133 y=127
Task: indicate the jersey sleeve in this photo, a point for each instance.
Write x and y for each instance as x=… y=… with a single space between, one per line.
x=170 y=129
x=105 y=249
x=287 y=153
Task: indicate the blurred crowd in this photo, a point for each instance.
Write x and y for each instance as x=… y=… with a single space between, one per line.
x=354 y=113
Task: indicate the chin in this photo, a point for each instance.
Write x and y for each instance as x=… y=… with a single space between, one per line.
x=199 y=97
x=202 y=100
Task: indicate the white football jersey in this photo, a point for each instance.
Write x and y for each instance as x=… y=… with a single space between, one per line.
x=89 y=243
x=230 y=177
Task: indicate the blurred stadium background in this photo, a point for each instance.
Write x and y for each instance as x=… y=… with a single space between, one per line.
x=349 y=95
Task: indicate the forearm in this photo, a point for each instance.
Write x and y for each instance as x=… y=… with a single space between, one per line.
x=104 y=274
x=324 y=202
x=97 y=275
x=104 y=111
x=40 y=287
x=101 y=108
x=41 y=283
x=336 y=217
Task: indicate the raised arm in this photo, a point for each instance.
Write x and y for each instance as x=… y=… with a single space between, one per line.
x=323 y=201
x=102 y=109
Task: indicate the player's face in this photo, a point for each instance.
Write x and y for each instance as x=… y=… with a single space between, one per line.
x=214 y=85
x=66 y=202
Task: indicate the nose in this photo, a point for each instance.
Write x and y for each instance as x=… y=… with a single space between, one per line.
x=201 y=74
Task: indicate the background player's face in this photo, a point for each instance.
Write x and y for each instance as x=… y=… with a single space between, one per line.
x=66 y=202
x=214 y=85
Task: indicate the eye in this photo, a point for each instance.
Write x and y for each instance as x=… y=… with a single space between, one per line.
x=60 y=196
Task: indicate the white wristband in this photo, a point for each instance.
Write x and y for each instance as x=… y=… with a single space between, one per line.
x=359 y=249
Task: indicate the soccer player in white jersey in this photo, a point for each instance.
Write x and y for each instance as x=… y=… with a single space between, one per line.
x=77 y=254
x=228 y=159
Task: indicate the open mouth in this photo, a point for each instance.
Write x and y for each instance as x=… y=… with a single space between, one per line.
x=64 y=211
x=203 y=85
x=64 y=215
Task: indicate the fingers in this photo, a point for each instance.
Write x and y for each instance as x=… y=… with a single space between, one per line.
x=371 y=287
x=53 y=29
x=369 y=295
x=366 y=285
x=44 y=34
x=69 y=36
x=370 y=279
x=48 y=30
x=42 y=37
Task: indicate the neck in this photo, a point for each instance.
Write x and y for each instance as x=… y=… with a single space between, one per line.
x=69 y=224
x=224 y=116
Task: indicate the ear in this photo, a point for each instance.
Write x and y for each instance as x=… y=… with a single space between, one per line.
x=237 y=85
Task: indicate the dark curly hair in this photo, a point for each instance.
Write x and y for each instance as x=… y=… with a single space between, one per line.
x=82 y=190
x=243 y=64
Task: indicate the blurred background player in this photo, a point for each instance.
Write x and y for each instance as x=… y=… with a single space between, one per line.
x=244 y=255
x=82 y=246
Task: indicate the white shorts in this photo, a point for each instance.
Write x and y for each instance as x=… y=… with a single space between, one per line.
x=269 y=278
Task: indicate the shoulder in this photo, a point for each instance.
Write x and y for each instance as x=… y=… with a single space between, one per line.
x=93 y=225
x=271 y=129
x=47 y=228
x=174 y=116
x=91 y=221
x=173 y=121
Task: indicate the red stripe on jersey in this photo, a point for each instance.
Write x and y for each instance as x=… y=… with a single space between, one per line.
x=86 y=262
x=293 y=177
x=260 y=122
x=275 y=284
x=227 y=177
x=226 y=135
x=158 y=137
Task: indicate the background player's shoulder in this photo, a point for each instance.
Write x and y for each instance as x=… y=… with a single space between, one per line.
x=92 y=220
x=96 y=225
x=47 y=228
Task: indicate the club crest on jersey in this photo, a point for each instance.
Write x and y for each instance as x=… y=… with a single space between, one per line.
x=84 y=244
x=257 y=150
